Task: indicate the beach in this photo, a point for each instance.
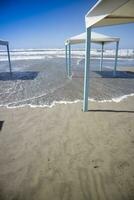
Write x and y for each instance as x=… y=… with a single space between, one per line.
x=63 y=153
x=67 y=100
x=49 y=148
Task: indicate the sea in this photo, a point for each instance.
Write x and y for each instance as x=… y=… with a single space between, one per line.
x=39 y=78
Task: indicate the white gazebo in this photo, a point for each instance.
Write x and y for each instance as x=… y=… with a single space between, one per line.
x=104 y=13
x=95 y=38
x=6 y=43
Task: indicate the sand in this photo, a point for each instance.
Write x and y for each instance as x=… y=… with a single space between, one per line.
x=64 y=154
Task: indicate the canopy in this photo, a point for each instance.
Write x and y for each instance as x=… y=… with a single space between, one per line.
x=110 y=12
x=2 y=42
x=95 y=38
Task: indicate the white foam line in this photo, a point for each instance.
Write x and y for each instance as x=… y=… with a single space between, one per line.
x=116 y=100
x=42 y=106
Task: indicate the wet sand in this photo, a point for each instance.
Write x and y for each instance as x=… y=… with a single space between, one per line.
x=40 y=82
x=64 y=154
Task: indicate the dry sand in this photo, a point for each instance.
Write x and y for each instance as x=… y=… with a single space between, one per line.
x=64 y=154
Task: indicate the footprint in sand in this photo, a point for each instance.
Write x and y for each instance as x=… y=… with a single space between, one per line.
x=65 y=191
x=92 y=185
x=120 y=167
x=98 y=185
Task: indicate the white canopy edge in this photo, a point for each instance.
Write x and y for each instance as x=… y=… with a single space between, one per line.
x=95 y=38
x=110 y=12
x=2 y=42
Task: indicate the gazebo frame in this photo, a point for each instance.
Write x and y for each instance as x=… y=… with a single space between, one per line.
x=95 y=38
x=104 y=13
x=6 y=43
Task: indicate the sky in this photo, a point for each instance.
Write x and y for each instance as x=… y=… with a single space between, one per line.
x=47 y=24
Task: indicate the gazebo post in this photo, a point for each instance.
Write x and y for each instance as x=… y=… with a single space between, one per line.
x=69 y=62
x=101 y=60
x=116 y=58
x=66 y=54
x=87 y=69
x=9 y=59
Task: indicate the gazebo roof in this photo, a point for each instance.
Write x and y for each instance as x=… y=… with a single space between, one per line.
x=110 y=12
x=2 y=42
x=95 y=38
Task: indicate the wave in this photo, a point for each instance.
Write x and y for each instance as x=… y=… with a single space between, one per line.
x=28 y=54
x=46 y=57
x=54 y=103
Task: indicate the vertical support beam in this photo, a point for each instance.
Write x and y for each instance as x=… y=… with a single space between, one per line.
x=101 y=60
x=69 y=61
x=9 y=58
x=66 y=54
x=116 y=58
x=87 y=69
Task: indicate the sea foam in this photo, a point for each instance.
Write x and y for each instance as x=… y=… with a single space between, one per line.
x=54 y=103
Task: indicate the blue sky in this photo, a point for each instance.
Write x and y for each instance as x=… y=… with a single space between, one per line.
x=46 y=24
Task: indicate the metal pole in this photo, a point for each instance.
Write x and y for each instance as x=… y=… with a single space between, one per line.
x=101 y=60
x=87 y=67
x=66 y=59
x=116 y=58
x=9 y=59
x=69 y=62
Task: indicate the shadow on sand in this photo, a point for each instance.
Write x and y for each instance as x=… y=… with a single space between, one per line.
x=28 y=75
x=112 y=111
x=1 y=125
x=119 y=74
x=105 y=74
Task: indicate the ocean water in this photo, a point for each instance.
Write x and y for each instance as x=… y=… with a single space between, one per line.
x=40 y=81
